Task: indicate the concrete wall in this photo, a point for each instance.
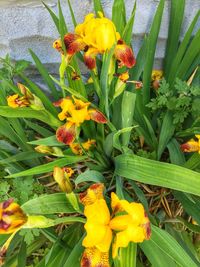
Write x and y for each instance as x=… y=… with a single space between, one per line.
x=27 y=24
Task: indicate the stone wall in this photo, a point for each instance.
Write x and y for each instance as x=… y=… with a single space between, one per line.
x=27 y=24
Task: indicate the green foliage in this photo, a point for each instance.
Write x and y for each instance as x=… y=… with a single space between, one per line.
x=183 y=101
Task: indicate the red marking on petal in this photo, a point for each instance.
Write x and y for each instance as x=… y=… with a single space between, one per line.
x=90 y=61
x=73 y=43
x=4 y=226
x=58 y=103
x=7 y=203
x=124 y=55
x=97 y=116
x=66 y=135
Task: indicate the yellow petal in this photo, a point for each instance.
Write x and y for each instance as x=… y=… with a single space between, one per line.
x=93 y=193
x=92 y=257
x=98 y=212
x=120 y=223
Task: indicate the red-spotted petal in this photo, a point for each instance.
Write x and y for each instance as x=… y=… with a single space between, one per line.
x=97 y=116
x=66 y=133
x=92 y=257
x=90 y=58
x=73 y=43
x=124 y=54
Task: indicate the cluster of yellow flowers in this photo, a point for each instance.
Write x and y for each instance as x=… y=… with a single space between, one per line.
x=128 y=223
x=75 y=112
x=96 y=36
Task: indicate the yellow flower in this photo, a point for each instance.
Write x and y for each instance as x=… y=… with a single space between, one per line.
x=96 y=36
x=192 y=145
x=75 y=112
x=99 y=33
x=94 y=258
x=132 y=225
x=156 y=77
x=61 y=176
x=15 y=101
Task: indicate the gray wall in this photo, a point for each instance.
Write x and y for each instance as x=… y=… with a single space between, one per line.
x=27 y=24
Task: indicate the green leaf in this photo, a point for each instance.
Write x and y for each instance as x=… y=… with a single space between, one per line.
x=191 y=54
x=119 y=15
x=128 y=108
x=42 y=115
x=128 y=30
x=49 y=204
x=127 y=256
x=53 y=16
x=45 y=75
x=75 y=255
x=176 y=19
x=27 y=155
x=169 y=246
x=136 y=72
x=157 y=173
x=181 y=51
x=97 y=6
x=116 y=136
x=166 y=133
x=22 y=255
x=104 y=79
x=48 y=141
x=48 y=167
x=175 y=153
x=72 y=13
x=150 y=51
x=90 y=176
x=193 y=162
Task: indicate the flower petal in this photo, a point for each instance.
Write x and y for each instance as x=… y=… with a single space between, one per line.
x=93 y=193
x=97 y=116
x=90 y=58
x=66 y=133
x=190 y=146
x=73 y=43
x=124 y=54
x=12 y=217
x=92 y=257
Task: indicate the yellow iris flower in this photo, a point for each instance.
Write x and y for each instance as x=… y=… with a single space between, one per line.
x=96 y=36
x=75 y=112
x=128 y=223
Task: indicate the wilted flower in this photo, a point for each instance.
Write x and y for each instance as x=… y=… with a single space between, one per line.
x=78 y=148
x=12 y=217
x=61 y=176
x=26 y=100
x=130 y=226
